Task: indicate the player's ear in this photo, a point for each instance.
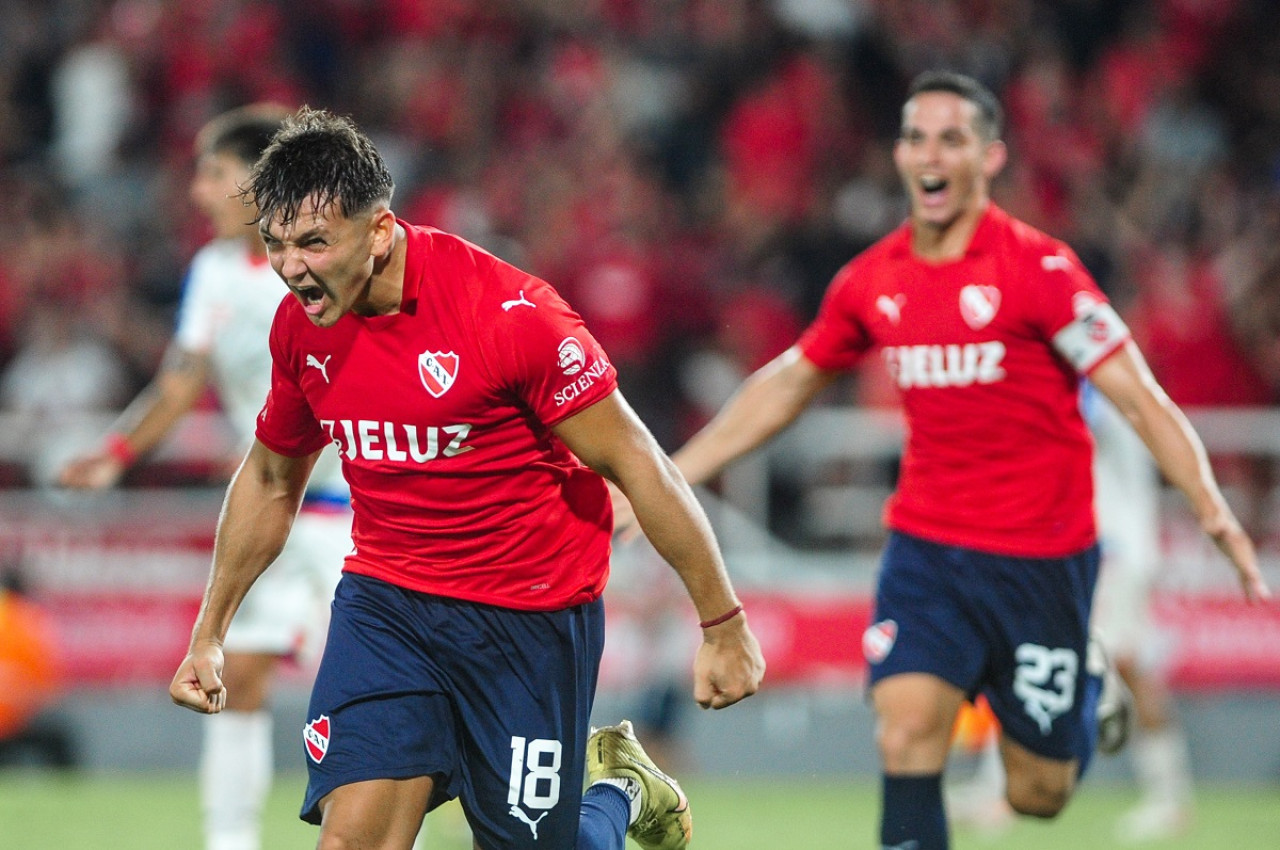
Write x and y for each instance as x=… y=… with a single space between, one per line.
x=382 y=228
x=994 y=158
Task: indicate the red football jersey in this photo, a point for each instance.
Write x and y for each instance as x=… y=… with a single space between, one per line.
x=987 y=352
x=441 y=414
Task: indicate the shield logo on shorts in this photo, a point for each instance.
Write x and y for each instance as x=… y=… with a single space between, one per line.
x=878 y=640
x=315 y=735
x=437 y=370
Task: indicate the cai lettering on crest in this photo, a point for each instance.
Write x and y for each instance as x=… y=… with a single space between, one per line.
x=438 y=370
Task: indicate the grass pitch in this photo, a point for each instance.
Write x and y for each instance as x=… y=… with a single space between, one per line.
x=42 y=811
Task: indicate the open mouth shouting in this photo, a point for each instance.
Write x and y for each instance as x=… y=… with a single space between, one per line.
x=933 y=187
x=311 y=296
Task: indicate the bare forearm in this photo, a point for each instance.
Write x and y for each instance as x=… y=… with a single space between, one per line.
x=767 y=402
x=1181 y=457
x=153 y=414
x=252 y=528
x=676 y=525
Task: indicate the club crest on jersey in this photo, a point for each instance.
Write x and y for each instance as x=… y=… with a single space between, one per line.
x=437 y=369
x=978 y=305
x=570 y=356
x=878 y=640
x=315 y=735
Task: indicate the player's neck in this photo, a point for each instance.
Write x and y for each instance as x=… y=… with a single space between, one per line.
x=386 y=286
x=943 y=242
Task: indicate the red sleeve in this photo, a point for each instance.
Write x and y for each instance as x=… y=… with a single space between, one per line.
x=286 y=424
x=837 y=338
x=545 y=354
x=1072 y=311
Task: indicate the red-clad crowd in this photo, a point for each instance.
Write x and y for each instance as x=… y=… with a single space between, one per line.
x=689 y=173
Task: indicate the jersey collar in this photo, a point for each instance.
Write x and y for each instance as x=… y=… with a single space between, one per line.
x=982 y=241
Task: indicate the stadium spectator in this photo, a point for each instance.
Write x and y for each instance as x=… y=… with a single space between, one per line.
x=987 y=580
x=63 y=371
x=504 y=103
x=229 y=299
x=31 y=680
x=476 y=416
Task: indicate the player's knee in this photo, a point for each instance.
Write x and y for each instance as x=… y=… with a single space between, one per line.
x=911 y=741
x=335 y=839
x=1038 y=795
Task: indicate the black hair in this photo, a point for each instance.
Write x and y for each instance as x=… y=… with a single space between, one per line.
x=244 y=132
x=321 y=156
x=990 y=120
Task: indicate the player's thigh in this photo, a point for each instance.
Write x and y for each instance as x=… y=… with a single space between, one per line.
x=383 y=813
x=523 y=715
x=1037 y=681
x=247 y=679
x=380 y=705
x=926 y=619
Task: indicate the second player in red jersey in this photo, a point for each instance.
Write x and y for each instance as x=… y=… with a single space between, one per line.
x=985 y=350
x=986 y=326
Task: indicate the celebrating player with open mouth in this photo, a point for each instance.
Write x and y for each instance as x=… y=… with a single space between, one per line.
x=986 y=326
x=477 y=419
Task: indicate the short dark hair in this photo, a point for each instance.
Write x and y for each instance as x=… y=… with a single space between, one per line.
x=317 y=153
x=990 y=120
x=244 y=132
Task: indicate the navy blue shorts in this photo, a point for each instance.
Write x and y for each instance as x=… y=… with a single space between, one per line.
x=491 y=702
x=1014 y=629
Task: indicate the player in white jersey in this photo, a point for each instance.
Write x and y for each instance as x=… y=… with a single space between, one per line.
x=1126 y=496
x=229 y=299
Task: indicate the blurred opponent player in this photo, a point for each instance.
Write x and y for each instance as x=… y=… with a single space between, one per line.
x=228 y=301
x=1127 y=491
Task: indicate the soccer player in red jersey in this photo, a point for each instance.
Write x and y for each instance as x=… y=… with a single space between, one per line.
x=986 y=325
x=477 y=420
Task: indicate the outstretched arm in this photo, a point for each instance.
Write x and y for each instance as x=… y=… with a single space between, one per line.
x=611 y=439
x=1125 y=379
x=145 y=422
x=261 y=502
x=769 y=400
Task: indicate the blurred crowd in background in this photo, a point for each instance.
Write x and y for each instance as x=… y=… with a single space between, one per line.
x=688 y=173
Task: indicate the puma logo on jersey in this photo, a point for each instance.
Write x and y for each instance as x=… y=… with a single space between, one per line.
x=517 y=812
x=891 y=308
x=518 y=302
x=924 y=366
x=368 y=439
x=323 y=366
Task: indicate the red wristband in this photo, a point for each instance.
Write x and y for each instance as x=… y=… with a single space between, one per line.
x=118 y=447
x=723 y=618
